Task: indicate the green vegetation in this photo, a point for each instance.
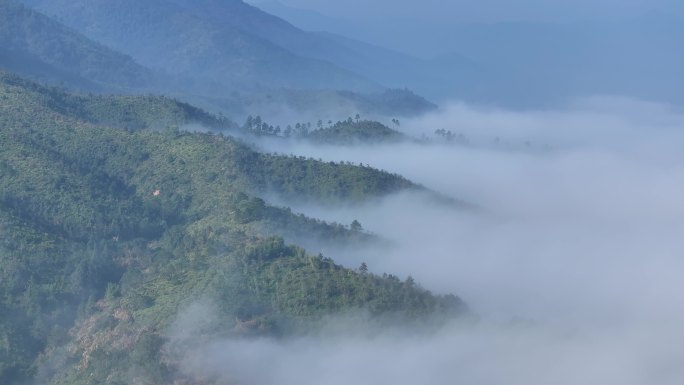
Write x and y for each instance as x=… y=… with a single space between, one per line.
x=112 y=221
x=348 y=132
x=118 y=111
x=360 y=132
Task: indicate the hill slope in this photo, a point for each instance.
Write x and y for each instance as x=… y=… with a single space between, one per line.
x=390 y=68
x=186 y=41
x=196 y=56
x=109 y=233
x=354 y=133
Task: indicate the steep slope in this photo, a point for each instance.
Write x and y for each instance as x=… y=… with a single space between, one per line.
x=108 y=234
x=218 y=62
x=330 y=41
x=180 y=40
x=391 y=68
x=37 y=46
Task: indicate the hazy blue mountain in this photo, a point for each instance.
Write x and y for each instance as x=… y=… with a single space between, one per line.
x=524 y=64
x=34 y=45
x=229 y=56
x=438 y=79
x=306 y=19
x=201 y=42
x=44 y=49
x=231 y=44
x=329 y=40
x=385 y=66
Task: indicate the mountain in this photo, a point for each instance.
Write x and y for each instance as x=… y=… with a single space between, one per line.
x=37 y=46
x=525 y=64
x=251 y=75
x=114 y=224
x=388 y=67
x=202 y=43
x=441 y=78
x=371 y=61
x=306 y=19
x=435 y=78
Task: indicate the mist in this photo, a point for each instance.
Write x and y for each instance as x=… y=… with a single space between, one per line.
x=525 y=54
x=571 y=259
x=484 y=11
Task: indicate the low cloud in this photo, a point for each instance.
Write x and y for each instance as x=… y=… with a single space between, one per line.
x=573 y=261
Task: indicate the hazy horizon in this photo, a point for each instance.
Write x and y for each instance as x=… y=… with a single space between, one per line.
x=487 y=11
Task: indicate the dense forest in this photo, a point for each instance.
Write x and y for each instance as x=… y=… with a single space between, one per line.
x=347 y=132
x=114 y=219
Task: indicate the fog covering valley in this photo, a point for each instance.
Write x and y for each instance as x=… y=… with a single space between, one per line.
x=570 y=258
x=214 y=193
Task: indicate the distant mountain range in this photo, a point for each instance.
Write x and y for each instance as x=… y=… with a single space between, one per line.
x=524 y=64
x=210 y=53
x=230 y=56
x=205 y=40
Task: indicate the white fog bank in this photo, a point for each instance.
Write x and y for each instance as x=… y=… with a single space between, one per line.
x=581 y=240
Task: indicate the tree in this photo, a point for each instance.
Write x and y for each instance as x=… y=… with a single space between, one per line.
x=357 y=117
x=249 y=122
x=363 y=269
x=356 y=226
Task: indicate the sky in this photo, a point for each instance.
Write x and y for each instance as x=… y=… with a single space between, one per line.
x=487 y=10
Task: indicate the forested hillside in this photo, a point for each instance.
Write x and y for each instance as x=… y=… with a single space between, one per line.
x=113 y=221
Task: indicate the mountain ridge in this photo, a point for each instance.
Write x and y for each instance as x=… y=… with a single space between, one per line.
x=166 y=35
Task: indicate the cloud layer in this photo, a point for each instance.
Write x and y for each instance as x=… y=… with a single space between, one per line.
x=573 y=259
